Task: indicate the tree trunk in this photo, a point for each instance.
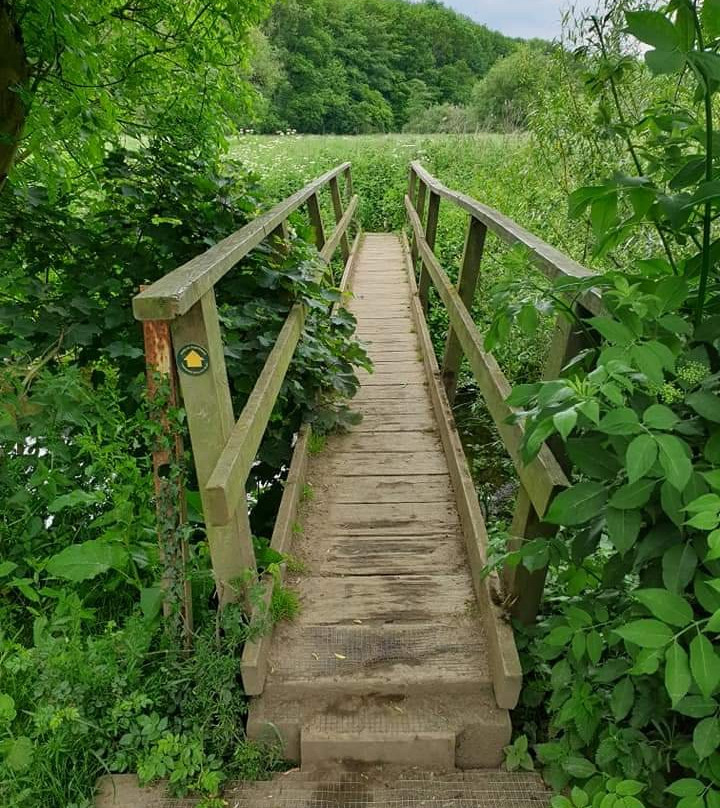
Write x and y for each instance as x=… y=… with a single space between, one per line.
x=14 y=74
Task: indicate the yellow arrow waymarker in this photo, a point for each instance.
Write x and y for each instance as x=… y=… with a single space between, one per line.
x=193 y=360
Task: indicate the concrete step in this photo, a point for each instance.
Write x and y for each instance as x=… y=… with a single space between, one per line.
x=439 y=732
x=382 y=787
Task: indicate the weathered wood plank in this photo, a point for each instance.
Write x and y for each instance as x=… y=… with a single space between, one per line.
x=427 y=441
x=548 y=259
x=430 y=235
x=543 y=476
x=387 y=488
x=388 y=377
x=208 y=407
x=384 y=463
x=226 y=486
x=503 y=660
x=180 y=289
x=338 y=211
x=388 y=518
x=316 y=222
x=397 y=392
x=328 y=249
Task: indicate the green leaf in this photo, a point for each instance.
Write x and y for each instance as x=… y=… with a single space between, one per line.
x=704 y=664
x=622 y=698
x=613 y=331
x=713 y=624
x=75 y=498
x=706 y=737
x=622 y=421
x=565 y=422
x=658 y=416
x=648 y=362
x=641 y=456
x=665 y=62
x=666 y=606
x=594 y=646
x=710 y=16
x=559 y=636
x=633 y=495
x=79 y=562
x=678 y=566
x=629 y=788
x=676 y=464
x=579 y=767
x=677 y=673
x=151 y=600
x=7 y=708
x=653 y=28
x=696 y=707
x=577 y=505
x=623 y=527
x=604 y=215
x=646 y=633
x=705 y=404
x=686 y=787
x=18 y=754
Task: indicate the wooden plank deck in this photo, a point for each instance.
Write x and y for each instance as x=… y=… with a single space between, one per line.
x=387 y=602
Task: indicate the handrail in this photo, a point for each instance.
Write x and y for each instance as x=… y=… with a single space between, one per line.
x=176 y=292
x=548 y=259
x=225 y=449
x=543 y=476
x=541 y=479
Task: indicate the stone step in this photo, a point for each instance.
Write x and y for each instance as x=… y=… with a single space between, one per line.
x=439 y=732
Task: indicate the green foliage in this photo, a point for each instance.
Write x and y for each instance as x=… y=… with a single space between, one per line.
x=505 y=97
x=622 y=668
x=353 y=66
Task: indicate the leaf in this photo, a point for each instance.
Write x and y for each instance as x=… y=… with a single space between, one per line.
x=7 y=708
x=705 y=404
x=74 y=499
x=674 y=460
x=706 y=737
x=710 y=16
x=622 y=421
x=633 y=495
x=604 y=215
x=653 y=28
x=577 y=505
x=79 y=562
x=696 y=707
x=713 y=624
x=151 y=600
x=686 y=787
x=664 y=62
x=677 y=673
x=565 y=422
x=647 y=362
x=646 y=633
x=613 y=331
x=19 y=754
x=6 y=567
x=666 y=606
x=579 y=767
x=678 y=566
x=640 y=457
x=623 y=527
x=594 y=646
x=704 y=664
x=622 y=698
x=589 y=456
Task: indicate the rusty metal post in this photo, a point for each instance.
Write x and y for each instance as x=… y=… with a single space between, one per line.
x=169 y=495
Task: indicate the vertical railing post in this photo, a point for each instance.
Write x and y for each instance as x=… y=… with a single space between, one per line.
x=430 y=235
x=349 y=192
x=338 y=211
x=419 y=204
x=526 y=587
x=208 y=406
x=313 y=206
x=412 y=182
x=467 y=283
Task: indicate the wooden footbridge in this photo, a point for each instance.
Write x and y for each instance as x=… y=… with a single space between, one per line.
x=403 y=652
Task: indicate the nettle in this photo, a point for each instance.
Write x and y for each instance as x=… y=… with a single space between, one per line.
x=623 y=674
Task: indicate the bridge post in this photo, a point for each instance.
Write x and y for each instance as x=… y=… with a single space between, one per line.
x=207 y=402
x=420 y=208
x=313 y=206
x=526 y=587
x=467 y=283
x=430 y=235
x=338 y=210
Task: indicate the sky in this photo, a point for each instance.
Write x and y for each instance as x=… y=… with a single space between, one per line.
x=525 y=18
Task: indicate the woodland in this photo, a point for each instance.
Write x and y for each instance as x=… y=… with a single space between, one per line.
x=135 y=135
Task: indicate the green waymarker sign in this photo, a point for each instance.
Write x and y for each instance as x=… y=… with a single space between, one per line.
x=193 y=360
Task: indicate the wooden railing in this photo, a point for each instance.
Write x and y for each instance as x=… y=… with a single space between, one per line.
x=544 y=476
x=224 y=449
